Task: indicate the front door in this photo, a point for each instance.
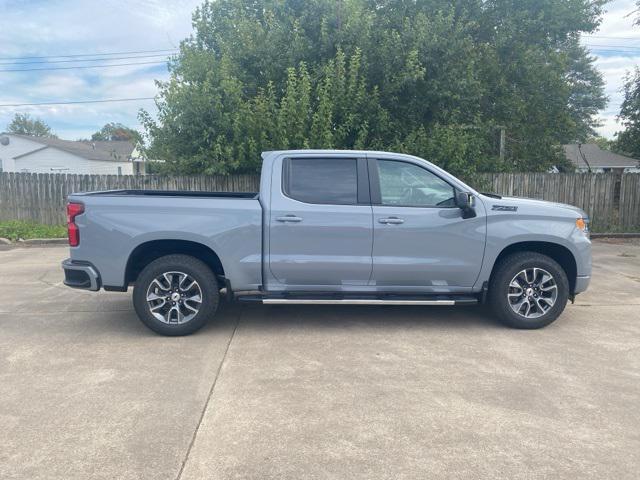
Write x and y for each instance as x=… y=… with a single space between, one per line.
x=320 y=223
x=421 y=239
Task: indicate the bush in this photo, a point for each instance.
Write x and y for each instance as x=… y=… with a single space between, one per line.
x=16 y=229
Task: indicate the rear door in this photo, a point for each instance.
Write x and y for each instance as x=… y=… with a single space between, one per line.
x=421 y=240
x=320 y=223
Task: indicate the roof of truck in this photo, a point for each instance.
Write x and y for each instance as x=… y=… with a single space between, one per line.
x=368 y=153
x=331 y=151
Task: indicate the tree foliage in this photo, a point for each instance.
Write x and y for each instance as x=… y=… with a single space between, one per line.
x=628 y=140
x=24 y=124
x=117 y=132
x=433 y=78
x=602 y=142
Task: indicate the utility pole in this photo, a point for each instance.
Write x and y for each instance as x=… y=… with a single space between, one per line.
x=584 y=158
x=503 y=138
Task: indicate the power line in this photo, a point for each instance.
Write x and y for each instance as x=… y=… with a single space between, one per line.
x=601 y=51
x=74 y=102
x=633 y=47
x=81 y=66
x=612 y=38
x=130 y=52
x=85 y=60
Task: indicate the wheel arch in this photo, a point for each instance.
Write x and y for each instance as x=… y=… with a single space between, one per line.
x=149 y=251
x=557 y=252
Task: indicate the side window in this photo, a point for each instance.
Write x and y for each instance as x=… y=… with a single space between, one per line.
x=409 y=185
x=320 y=180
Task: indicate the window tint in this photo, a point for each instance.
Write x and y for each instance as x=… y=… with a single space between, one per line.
x=410 y=185
x=318 y=180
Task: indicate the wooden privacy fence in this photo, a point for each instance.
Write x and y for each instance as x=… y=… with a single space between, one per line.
x=41 y=197
x=612 y=201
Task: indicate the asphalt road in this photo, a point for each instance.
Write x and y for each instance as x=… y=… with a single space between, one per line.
x=86 y=391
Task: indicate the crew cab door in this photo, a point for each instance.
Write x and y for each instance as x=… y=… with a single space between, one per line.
x=421 y=240
x=320 y=223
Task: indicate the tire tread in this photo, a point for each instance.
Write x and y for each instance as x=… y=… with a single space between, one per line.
x=504 y=272
x=197 y=268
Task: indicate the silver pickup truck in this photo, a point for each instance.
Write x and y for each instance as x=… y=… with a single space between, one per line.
x=330 y=227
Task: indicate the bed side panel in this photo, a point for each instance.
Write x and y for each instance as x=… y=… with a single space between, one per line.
x=113 y=226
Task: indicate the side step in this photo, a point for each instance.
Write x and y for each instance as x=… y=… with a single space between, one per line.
x=352 y=301
x=332 y=299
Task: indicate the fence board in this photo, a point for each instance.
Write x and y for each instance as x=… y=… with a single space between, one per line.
x=594 y=193
x=630 y=202
x=42 y=197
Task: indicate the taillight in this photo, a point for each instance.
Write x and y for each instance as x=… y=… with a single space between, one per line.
x=73 y=210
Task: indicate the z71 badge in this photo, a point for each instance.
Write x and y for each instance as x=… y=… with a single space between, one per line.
x=504 y=208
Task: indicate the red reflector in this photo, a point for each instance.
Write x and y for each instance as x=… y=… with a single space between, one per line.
x=73 y=210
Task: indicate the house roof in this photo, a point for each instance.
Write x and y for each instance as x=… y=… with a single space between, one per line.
x=596 y=157
x=106 y=151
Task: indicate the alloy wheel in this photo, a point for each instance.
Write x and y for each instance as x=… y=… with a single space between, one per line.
x=532 y=292
x=174 y=297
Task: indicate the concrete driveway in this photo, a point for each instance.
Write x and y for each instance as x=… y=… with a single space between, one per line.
x=316 y=392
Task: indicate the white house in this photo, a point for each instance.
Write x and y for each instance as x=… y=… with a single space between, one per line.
x=589 y=157
x=23 y=153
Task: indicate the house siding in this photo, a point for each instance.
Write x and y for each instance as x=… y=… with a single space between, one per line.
x=34 y=157
x=17 y=146
x=52 y=160
x=608 y=169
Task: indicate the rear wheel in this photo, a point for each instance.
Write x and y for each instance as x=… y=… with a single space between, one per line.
x=528 y=290
x=176 y=295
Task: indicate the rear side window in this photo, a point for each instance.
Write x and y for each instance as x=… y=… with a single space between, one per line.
x=322 y=180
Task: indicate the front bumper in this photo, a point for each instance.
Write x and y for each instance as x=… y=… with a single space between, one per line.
x=81 y=275
x=582 y=283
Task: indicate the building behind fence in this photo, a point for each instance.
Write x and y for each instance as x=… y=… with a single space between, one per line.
x=612 y=201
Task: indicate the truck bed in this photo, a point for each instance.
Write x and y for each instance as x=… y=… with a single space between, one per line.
x=174 y=193
x=118 y=223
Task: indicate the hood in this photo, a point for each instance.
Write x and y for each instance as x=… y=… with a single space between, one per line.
x=533 y=204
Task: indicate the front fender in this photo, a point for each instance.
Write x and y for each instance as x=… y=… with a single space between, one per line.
x=503 y=231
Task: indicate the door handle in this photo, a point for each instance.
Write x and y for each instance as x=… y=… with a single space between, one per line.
x=391 y=221
x=289 y=218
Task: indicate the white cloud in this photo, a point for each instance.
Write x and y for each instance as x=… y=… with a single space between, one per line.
x=65 y=27
x=609 y=125
x=616 y=46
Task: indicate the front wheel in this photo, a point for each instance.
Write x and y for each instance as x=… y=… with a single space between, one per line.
x=528 y=290
x=176 y=295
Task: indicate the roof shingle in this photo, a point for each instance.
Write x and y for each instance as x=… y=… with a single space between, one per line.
x=106 y=151
x=596 y=157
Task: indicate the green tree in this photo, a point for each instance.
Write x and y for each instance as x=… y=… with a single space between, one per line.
x=117 y=132
x=434 y=78
x=628 y=140
x=602 y=142
x=24 y=124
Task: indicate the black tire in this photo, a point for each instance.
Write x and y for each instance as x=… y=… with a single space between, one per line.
x=199 y=272
x=506 y=270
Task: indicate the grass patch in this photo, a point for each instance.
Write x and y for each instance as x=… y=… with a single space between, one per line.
x=16 y=229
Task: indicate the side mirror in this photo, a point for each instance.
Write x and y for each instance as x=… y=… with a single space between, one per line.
x=464 y=201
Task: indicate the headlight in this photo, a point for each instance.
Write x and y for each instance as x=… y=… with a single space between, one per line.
x=582 y=224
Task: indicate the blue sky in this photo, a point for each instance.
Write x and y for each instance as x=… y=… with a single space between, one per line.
x=67 y=27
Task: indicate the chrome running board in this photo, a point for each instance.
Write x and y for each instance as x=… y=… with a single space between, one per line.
x=352 y=301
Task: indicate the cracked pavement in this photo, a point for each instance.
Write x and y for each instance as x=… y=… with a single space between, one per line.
x=316 y=392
